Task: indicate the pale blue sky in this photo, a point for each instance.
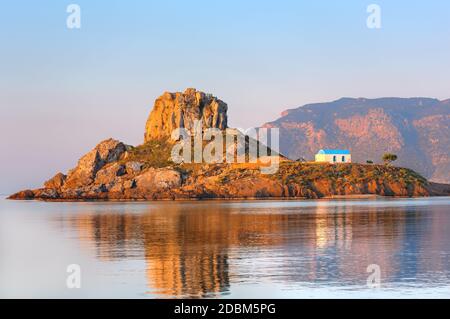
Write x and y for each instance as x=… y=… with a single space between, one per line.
x=63 y=90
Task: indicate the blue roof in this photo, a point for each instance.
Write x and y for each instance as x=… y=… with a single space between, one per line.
x=334 y=152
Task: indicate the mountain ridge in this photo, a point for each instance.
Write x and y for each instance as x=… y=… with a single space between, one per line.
x=417 y=128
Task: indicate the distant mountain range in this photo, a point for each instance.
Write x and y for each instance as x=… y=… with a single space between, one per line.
x=416 y=129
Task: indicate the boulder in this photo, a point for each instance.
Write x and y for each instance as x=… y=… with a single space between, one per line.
x=167 y=179
x=46 y=193
x=25 y=194
x=129 y=184
x=158 y=179
x=84 y=174
x=133 y=167
x=182 y=110
x=56 y=182
x=109 y=173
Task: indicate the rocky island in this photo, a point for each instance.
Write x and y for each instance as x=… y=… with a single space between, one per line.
x=116 y=171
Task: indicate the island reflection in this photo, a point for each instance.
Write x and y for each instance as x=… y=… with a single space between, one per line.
x=200 y=250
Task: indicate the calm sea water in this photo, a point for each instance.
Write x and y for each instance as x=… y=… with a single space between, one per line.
x=254 y=249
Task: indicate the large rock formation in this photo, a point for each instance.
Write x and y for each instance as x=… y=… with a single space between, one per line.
x=181 y=110
x=115 y=171
x=416 y=129
x=85 y=173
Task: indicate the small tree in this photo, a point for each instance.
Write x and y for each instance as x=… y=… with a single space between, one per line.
x=388 y=158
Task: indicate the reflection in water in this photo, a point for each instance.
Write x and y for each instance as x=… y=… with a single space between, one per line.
x=202 y=249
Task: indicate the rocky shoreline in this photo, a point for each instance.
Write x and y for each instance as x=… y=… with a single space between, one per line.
x=116 y=171
x=111 y=172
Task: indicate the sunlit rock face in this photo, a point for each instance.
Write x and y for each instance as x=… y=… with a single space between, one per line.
x=85 y=172
x=182 y=110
